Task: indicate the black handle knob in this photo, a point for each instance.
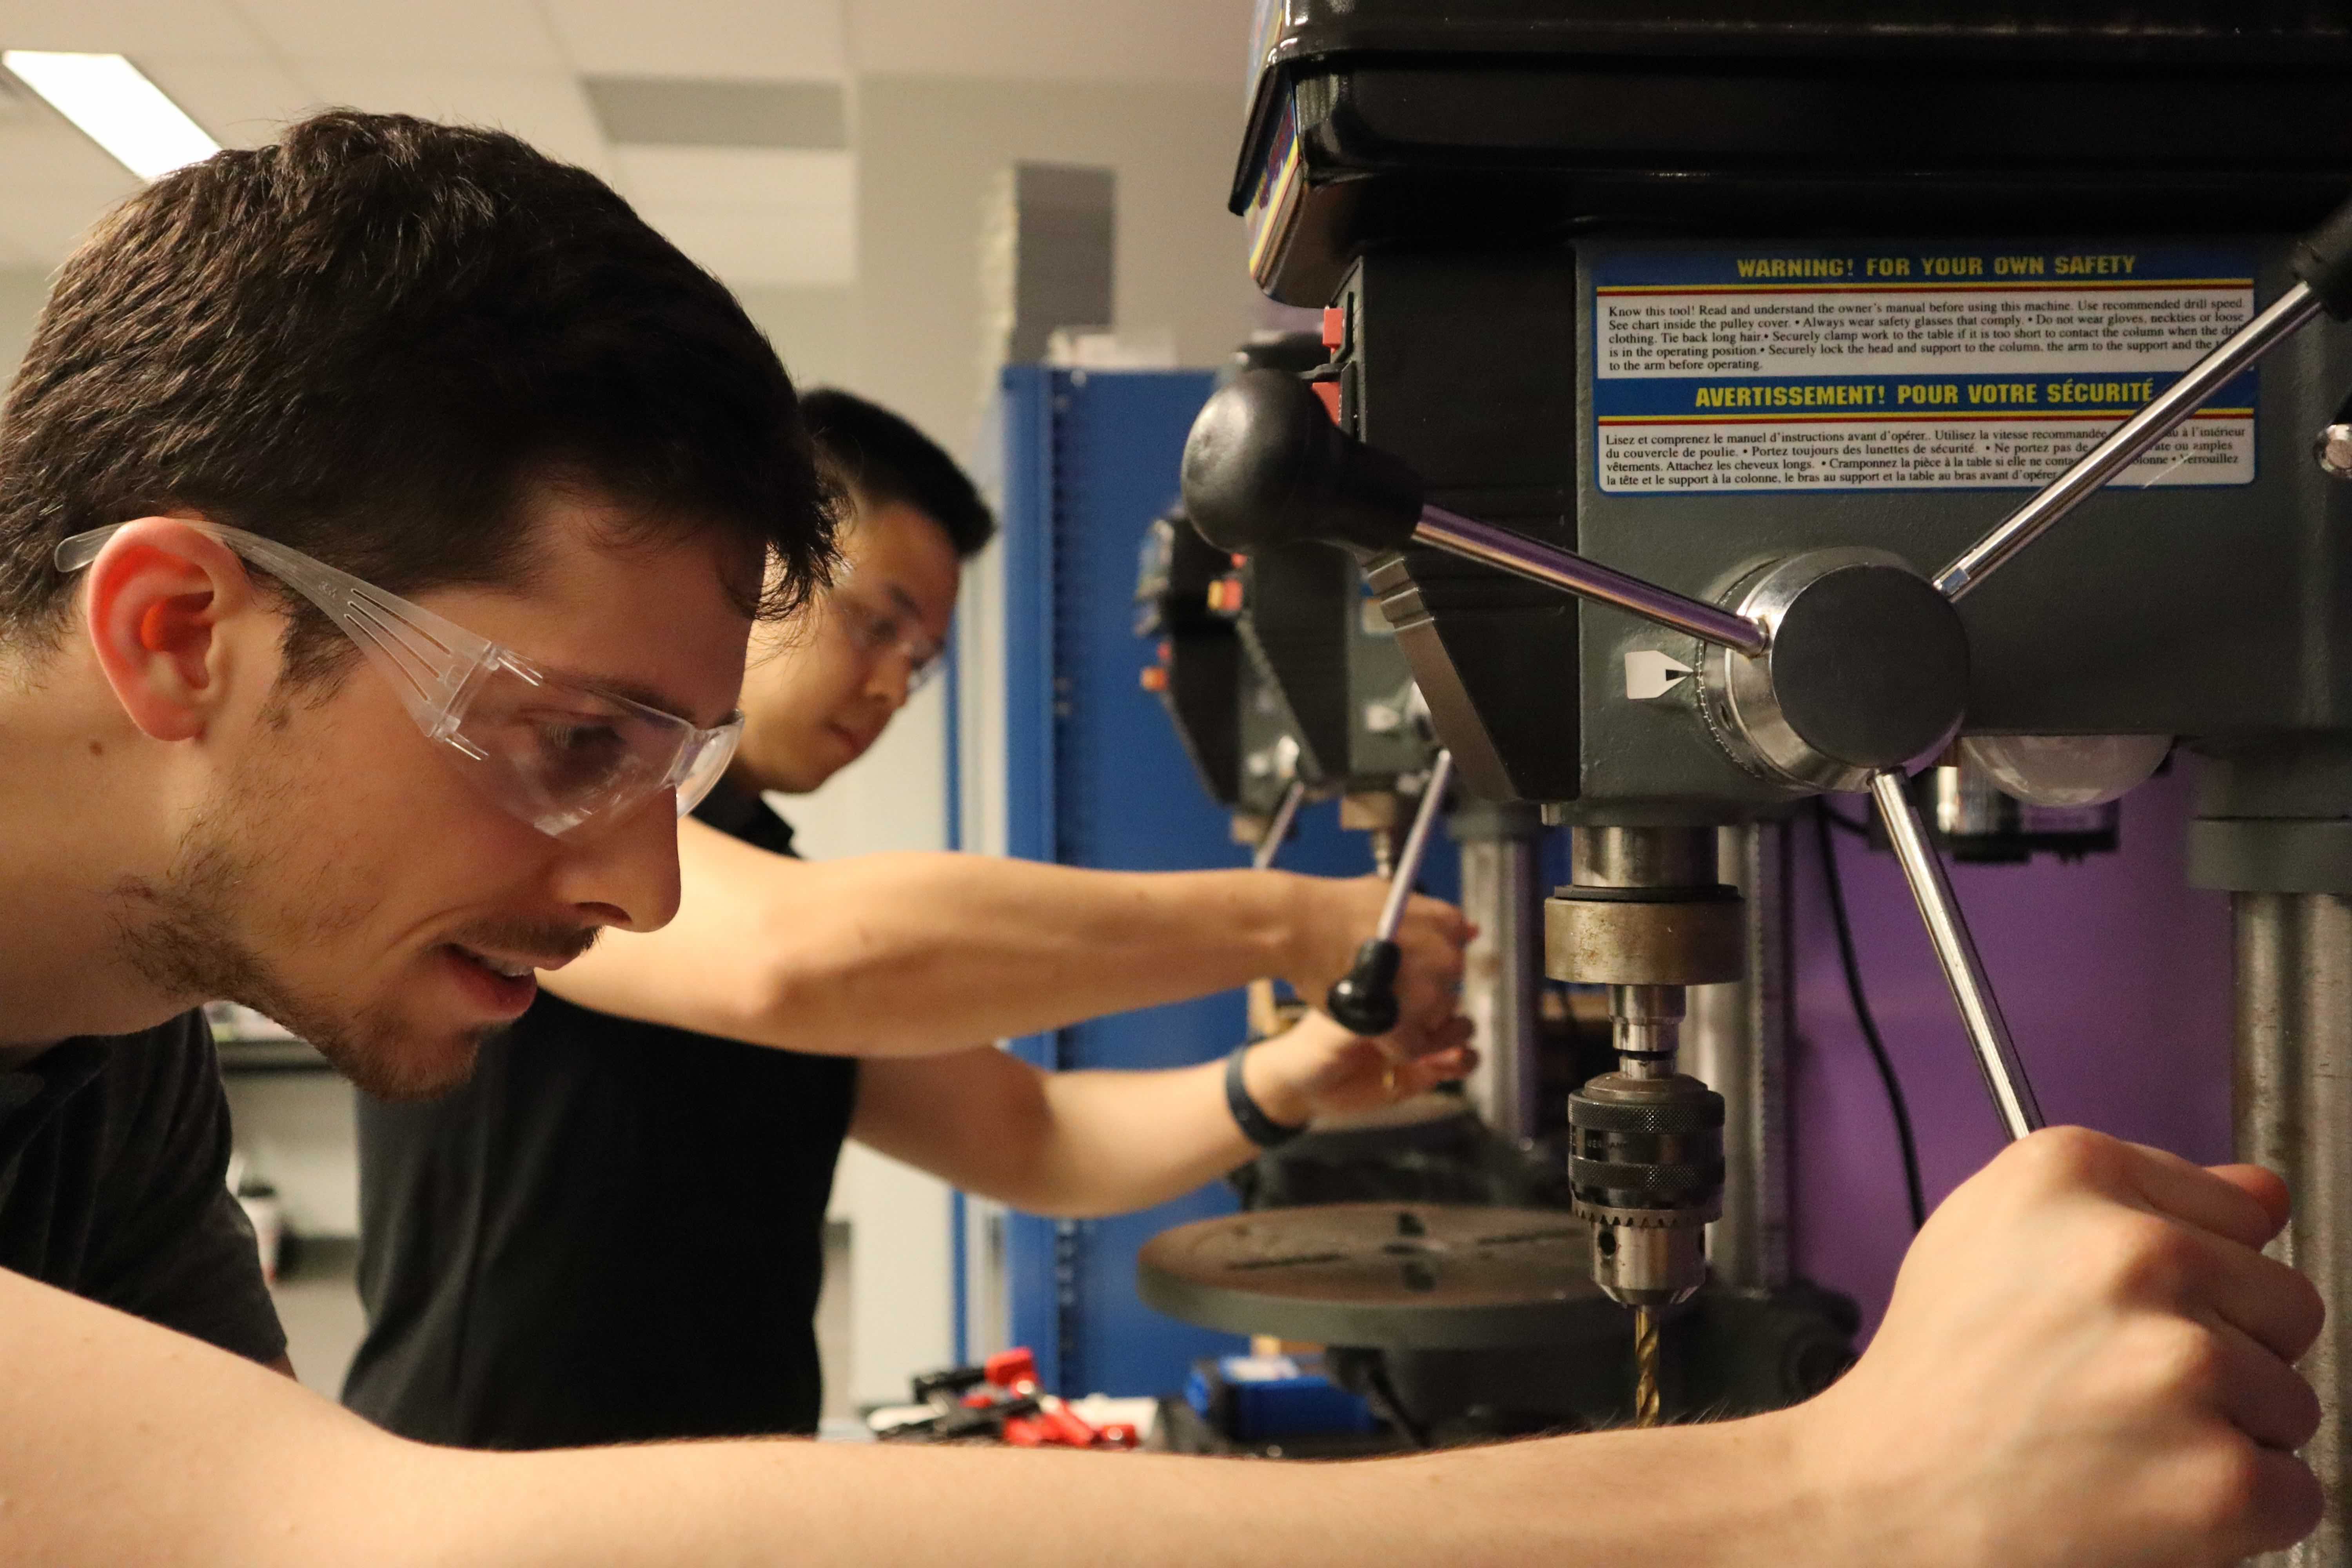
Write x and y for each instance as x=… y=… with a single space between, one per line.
x=1364 y=999
x=2323 y=259
x=1266 y=466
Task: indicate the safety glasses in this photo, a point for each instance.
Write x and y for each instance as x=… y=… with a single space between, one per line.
x=874 y=633
x=555 y=752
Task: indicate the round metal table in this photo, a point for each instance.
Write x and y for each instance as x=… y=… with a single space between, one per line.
x=1401 y=1276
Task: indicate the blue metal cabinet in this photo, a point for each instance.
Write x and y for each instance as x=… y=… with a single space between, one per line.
x=1098 y=778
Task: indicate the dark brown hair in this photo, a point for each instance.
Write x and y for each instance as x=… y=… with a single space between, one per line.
x=883 y=458
x=363 y=341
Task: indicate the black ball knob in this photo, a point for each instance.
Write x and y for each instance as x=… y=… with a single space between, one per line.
x=1364 y=999
x=1266 y=466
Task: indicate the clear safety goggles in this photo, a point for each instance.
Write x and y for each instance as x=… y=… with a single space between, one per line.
x=553 y=750
x=877 y=633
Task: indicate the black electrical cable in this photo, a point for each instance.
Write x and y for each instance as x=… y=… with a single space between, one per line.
x=1842 y=821
x=1896 y=1104
x=1382 y=1398
x=1363 y=1371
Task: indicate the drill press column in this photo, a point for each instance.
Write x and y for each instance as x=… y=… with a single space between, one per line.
x=1737 y=1040
x=2294 y=1115
x=1502 y=991
x=1645 y=916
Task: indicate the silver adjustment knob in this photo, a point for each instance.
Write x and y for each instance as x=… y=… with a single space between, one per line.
x=1867 y=668
x=2333 y=451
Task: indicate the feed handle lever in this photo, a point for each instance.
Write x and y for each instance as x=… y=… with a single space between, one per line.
x=1365 y=999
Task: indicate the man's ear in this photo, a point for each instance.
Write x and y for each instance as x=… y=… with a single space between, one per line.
x=158 y=597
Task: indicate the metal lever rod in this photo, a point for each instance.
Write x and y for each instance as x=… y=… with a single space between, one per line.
x=1565 y=569
x=1266 y=466
x=1269 y=844
x=1956 y=951
x=1416 y=845
x=1364 y=999
x=2126 y=443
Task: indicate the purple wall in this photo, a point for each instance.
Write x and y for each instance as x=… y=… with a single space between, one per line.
x=2116 y=979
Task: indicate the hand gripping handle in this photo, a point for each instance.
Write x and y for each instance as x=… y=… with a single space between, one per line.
x=1365 y=998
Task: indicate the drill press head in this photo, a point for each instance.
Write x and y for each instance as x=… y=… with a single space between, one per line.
x=1646 y=917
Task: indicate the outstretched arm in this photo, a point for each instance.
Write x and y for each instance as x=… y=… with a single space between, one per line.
x=1081 y=1143
x=2086 y=1366
x=908 y=953
x=123 y=1443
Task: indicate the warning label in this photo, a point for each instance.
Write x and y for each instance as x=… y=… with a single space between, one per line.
x=1908 y=369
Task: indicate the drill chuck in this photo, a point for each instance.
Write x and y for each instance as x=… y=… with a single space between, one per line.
x=1646 y=1171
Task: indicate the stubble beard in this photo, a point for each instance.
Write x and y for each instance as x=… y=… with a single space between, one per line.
x=189 y=935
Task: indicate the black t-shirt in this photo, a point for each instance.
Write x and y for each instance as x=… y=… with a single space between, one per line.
x=113 y=1184
x=615 y=1233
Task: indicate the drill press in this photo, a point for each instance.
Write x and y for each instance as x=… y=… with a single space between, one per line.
x=1751 y=314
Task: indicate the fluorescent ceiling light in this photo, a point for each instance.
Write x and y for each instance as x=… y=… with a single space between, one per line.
x=117 y=107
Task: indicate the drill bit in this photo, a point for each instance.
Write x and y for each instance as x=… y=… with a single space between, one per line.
x=1645 y=1367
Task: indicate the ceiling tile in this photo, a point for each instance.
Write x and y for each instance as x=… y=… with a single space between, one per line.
x=40 y=152
x=242 y=102
x=134 y=27
x=745 y=38
x=485 y=35
x=770 y=245
x=40 y=227
x=54 y=182
x=547 y=111
x=1103 y=40
x=737 y=176
x=712 y=111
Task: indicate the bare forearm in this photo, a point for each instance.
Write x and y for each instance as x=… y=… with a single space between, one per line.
x=910 y=953
x=120 y=1441
x=1075 y=1144
x=1706 y=1502
x=931 y=952
x=1068 y=1143
x=2042 y=1394
x=1116 y=1142
x=1084 y=1144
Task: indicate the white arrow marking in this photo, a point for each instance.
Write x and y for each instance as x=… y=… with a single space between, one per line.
x=1650 y=675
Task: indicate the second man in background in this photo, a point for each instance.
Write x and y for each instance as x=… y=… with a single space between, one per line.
x=615 y=1232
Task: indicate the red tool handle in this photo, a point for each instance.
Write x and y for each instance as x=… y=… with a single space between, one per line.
x=1066 y=1425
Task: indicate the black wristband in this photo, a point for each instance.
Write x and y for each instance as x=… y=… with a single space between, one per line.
x=1257 y=1126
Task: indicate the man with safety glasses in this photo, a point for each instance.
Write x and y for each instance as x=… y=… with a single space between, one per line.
x=613 y=1174
x=539 y=460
